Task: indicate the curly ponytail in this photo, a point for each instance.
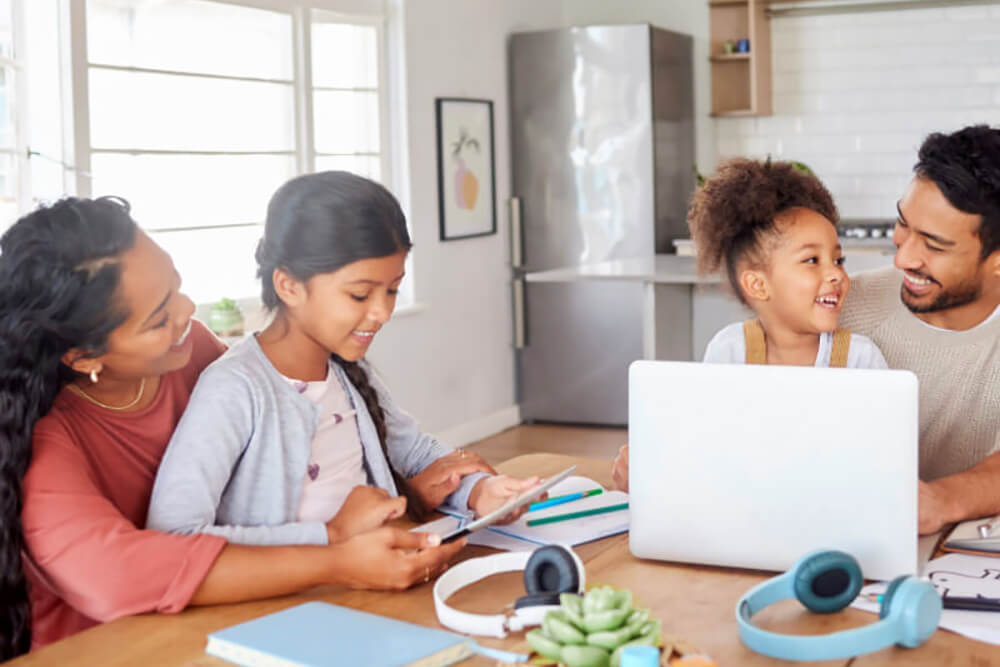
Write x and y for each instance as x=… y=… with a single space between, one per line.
x=738 y=207
x=58 y=280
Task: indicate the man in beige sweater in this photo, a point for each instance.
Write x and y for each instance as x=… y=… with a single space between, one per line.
x=939 y=316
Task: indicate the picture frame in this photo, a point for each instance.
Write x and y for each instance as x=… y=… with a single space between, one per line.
x=466 y=168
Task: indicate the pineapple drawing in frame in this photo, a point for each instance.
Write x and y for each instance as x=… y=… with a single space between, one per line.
x=466 y=183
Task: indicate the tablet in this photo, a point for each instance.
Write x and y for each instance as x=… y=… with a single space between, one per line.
x=523 y=499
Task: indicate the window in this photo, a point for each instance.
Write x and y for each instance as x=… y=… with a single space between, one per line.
x=196 y=111
x=13 y=153
x=346 y=84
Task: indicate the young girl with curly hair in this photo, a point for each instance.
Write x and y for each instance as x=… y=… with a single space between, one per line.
x=771 y=228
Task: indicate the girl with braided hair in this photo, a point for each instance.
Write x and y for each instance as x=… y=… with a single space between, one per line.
x=98 y=358
x=292 y=426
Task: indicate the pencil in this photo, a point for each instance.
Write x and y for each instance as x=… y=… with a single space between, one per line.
x=559 y=500
x=578 y=515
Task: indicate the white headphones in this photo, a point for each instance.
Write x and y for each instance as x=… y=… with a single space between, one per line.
x=548 y=571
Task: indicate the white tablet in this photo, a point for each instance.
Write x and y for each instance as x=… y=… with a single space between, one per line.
x=513 y=504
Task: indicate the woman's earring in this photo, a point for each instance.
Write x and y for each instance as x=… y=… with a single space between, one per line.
x=93 y=376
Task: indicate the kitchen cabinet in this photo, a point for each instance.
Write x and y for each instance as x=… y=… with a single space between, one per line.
x=741 y=81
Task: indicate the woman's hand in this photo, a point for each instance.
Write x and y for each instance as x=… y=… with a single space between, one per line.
x=366 y=508
x=392 y=559
x=440 y=479
x=491 y=493
x=619 y=471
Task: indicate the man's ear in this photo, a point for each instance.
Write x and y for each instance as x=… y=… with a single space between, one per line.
x=291 y=291
x=754 y=285
x=80 y=361
x=993 y=264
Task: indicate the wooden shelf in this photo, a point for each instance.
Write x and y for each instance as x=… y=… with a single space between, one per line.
x=735 y=113
x=729 y=57
x=741 y=82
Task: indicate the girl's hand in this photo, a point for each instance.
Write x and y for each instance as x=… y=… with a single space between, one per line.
x=392 y=559
x=619 y=471
x=366 y=508
x=491 y=493
x=440 y=479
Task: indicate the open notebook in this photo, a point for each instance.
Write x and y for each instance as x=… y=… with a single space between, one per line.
x=519 y=536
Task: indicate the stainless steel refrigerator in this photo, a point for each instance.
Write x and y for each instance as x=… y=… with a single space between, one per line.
x=602 y=133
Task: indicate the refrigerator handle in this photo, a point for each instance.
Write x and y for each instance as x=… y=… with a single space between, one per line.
x=518 y=301
x=516 y=243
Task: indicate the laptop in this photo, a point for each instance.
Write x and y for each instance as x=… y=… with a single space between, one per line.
x=753 y=466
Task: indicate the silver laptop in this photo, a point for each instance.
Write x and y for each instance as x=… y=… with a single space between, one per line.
x=754 y=466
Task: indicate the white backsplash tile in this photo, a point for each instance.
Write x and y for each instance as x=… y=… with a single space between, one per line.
x=854 y=95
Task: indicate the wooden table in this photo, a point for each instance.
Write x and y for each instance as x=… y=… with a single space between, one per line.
x=694 y=603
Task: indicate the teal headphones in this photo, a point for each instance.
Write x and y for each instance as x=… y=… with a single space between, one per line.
x=826 y=582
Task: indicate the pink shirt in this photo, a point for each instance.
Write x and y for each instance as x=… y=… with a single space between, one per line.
x=85 y=497
x=336 y=460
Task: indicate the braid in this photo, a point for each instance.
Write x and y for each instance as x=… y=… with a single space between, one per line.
x=415 y=508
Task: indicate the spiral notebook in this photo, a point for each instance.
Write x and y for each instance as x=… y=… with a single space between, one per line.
x=317 y=634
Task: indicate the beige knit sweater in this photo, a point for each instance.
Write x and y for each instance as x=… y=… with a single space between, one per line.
x=959 y=373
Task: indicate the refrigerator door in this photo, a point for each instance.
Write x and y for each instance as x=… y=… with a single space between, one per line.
x=582 y=149
x=582 y=144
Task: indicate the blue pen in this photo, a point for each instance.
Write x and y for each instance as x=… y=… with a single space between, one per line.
x=559 y=500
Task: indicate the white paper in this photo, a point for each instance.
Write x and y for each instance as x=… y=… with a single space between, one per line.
x=519 y=536
x=960 y=576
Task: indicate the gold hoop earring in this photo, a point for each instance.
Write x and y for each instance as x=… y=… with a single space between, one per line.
x=93 y=376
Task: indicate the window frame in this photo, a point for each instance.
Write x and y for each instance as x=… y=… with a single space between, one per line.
x=21 y=170
x=369 y=13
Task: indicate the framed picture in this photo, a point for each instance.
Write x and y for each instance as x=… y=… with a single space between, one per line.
x=466 y=184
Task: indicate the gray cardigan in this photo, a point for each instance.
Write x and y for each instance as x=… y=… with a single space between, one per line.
x=237 y=459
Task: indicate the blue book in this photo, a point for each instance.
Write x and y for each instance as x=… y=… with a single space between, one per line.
x=316 y=634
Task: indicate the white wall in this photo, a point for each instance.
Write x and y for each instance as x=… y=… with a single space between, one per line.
x=452 y=364
x=855 y=94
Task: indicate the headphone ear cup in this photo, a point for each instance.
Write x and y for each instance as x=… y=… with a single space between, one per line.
x=890 y=592
x=537 y=600
x=552 y=569
x=827 y=581
x=917 y=603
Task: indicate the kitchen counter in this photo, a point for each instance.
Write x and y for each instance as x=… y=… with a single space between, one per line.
x=680 y=269
x=683 y=309
x=667 y=269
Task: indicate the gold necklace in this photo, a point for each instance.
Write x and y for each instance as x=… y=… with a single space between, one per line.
x=130 y=404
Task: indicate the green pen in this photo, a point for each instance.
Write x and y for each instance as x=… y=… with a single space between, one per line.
x=578 y=515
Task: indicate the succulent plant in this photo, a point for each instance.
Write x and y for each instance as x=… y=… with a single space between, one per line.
x=593 y=629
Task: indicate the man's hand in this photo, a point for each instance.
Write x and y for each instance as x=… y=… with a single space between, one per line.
x=619 y=471
x=936 y=508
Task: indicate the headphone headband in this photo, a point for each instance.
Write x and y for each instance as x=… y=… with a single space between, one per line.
x=911 y=609
x=473 y=570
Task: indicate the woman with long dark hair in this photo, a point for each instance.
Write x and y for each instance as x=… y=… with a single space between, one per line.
x=98 y=358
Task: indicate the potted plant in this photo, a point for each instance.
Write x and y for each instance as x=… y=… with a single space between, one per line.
x=225 y=318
